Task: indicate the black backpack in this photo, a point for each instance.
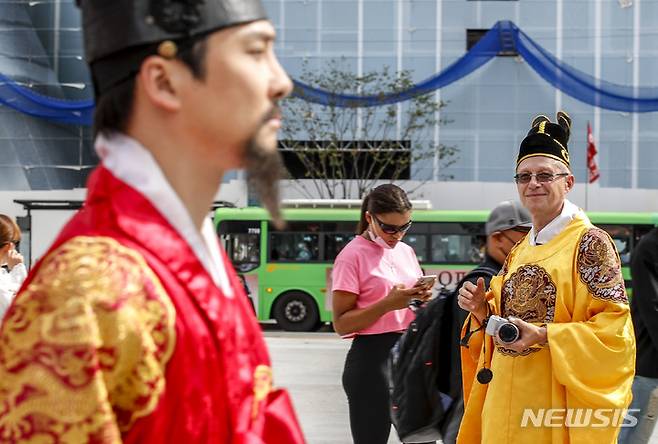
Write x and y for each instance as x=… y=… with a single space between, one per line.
x=424 y=367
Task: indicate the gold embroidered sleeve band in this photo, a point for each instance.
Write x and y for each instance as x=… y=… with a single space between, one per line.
x=599 y=267
x=84 y=348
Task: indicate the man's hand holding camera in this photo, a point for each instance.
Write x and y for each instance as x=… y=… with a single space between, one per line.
x=529 y=335
x=514 y=333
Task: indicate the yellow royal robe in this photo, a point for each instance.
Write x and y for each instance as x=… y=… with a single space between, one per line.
x=574 y=285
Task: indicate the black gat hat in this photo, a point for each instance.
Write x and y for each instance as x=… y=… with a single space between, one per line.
x=120 y=34
x=548 y=139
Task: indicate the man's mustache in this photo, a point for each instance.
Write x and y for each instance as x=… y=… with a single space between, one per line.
x=273 y=113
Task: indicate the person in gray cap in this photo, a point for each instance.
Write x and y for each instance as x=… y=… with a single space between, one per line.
x=507 y=224
x=134 y=327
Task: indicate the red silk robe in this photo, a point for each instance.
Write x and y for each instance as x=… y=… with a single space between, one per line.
x=120 y=335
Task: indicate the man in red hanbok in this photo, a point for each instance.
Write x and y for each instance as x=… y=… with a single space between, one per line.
x=134 y=327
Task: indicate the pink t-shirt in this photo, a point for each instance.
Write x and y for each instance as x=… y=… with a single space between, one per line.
x=370 y=271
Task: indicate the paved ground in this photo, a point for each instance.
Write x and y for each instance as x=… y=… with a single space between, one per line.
x=310 y=365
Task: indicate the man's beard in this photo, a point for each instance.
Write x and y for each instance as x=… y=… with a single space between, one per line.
x=264 y=169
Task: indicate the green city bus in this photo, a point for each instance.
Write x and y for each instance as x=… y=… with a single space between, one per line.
x=287 y=273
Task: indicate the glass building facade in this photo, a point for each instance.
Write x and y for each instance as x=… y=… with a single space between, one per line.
x=41 y=47
x=488 y=112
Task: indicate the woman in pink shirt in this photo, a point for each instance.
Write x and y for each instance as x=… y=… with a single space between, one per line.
x=372 y=283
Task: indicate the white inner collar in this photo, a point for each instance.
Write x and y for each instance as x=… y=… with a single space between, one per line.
x=132 y=163
x=555 y=227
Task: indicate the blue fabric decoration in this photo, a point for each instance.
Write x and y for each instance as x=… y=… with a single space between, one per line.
x=582 y=86
x=504 y=37
x=23 y=99
x=483 y=51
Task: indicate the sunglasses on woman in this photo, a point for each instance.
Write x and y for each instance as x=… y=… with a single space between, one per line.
x=16 y=243
x=392 y=229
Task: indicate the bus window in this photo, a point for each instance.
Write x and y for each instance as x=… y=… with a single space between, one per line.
x=333 y=243
x=294 y=247
x=419 y=243
x=456 y=248
x=241 y=239
x=455 y=243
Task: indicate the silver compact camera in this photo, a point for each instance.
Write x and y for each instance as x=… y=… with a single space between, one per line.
x=507 y=332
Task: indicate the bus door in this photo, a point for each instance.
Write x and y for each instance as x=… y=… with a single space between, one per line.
x=242 y=241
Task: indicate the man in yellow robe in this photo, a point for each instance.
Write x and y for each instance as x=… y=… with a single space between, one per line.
x=567 y=378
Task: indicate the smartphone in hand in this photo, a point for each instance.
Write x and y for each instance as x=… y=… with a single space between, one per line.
x=426 y=281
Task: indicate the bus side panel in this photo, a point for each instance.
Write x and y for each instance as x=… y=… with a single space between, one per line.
x=309 y=278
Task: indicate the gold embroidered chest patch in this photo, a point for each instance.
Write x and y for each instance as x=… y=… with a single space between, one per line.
x=528 y=294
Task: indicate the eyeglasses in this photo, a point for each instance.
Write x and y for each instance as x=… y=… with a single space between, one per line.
x=16 y=243
x=392 y=229
x=541 y=177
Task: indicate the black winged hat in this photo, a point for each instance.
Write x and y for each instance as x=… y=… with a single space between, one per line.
x=548 y=139
x=119 y=34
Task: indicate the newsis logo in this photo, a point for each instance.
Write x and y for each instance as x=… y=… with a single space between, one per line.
x=574 y=418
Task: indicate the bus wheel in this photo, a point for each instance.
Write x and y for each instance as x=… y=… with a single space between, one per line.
x=296 y=311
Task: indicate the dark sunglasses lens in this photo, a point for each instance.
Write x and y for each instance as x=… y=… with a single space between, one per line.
x=544 y=177
x=392 y=229
x=389 y=229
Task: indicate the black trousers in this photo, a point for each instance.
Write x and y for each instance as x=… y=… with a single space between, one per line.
x=364 y=381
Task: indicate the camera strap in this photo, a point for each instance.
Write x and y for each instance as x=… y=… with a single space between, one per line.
x=467 y=337
x=484 y=375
